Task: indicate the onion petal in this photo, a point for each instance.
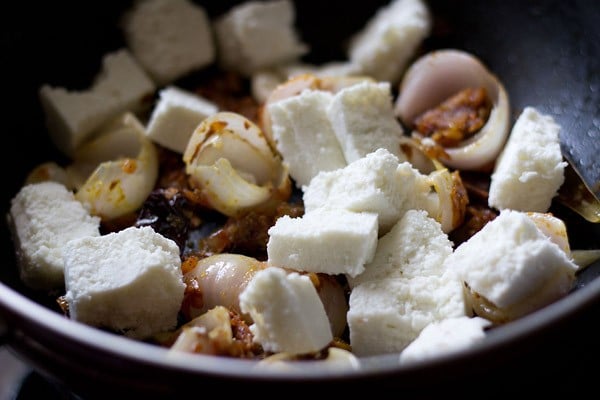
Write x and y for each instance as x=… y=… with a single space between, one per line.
x=231 y=162
x=442 y=73
x=122 y=184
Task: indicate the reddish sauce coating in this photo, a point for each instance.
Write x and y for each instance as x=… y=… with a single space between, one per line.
x=457 y=118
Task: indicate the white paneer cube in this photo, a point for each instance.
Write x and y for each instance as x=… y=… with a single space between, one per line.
x=530 y=169
x=170 y=38
x=176 y=115
x=386 y=315
x=513 y=264
x=332 y=241
x=304 y=136
x=72 y=116
x=415 y=246
x=43 y=217
x=128 y=281
x=287 y=313
x=257 y=35
x=444 y=337
x=363 y=120
x=376 y=183
x=390 y=39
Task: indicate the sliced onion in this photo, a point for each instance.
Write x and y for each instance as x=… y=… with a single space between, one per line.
x=415 y=154
x=336 y=358
x=554 y=228
x=451 y=199
x=442 y=73
x=230 y=161
x=584 y=258
x=218 y=280
x=210 y=333
x=125 y=168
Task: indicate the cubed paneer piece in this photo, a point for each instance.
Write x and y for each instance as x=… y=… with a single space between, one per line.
x=304 y=136
x=444 y=337
x=287 y=312
x=43 y=218
x=175 y=116
x=72 y=116
x=128 y=281
x=390 y=39
x=332 y=241
x=376 y=183
x=170 y=38
x=386 y=315
x=257 y=35
x=363 y=120
x=530 y=168
x=513 y=264
x=415 y=246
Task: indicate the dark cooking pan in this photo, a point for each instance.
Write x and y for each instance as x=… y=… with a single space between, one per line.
x=547 y=54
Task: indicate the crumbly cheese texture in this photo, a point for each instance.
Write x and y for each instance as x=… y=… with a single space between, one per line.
x=258 y=34
x=513 y=264
x=415 y=246
x=334 y=241
x=376 y=183
x=72 y=116
x=128 y=281
x=176 y=115
x=170 y=38
x=304 y=136
x=363 y=120
x=390 y=39
x=386 y=315
x=44 y=217
x=444 y=337
x=530 y=169
x=287 y=312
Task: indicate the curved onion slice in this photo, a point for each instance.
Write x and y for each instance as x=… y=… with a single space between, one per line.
x=336 y=358
x=442 y=73
x=219 y=279
x=584 y=258
x=229 y=160
x=124 y=165
x=451 y=198
x=415 y=154
x=554 y=228
x=209 y=333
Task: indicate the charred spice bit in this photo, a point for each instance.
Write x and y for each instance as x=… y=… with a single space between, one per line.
x=168 y=213
x=457 y=118
x=63 y=304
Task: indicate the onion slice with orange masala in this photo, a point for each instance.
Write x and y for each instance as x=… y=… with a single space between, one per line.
x=437 y=76
x=229 y=160
x=115 y=173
